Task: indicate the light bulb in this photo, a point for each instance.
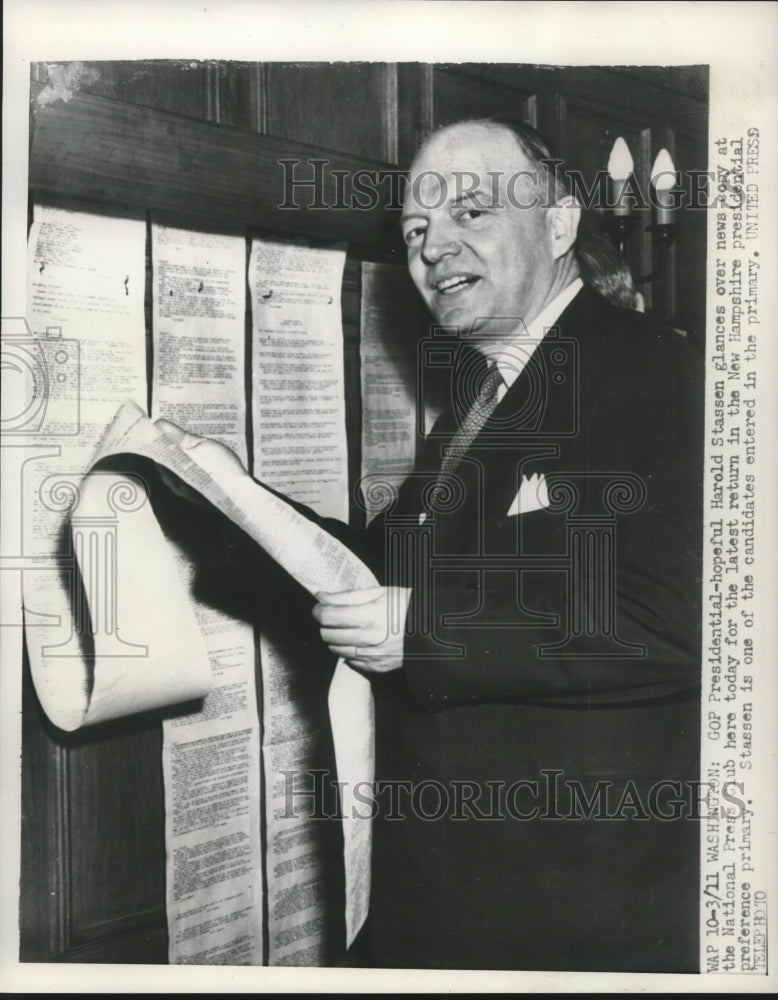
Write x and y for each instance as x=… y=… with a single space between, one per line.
x=620 y=162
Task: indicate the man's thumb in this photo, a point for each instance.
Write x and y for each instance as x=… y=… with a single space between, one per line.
x=178 y=434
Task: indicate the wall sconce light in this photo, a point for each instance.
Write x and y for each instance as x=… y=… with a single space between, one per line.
x=664 y=183
x=664 y=191
x=622 y=219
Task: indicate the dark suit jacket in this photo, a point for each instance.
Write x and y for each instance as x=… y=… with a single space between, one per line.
x=573 y=659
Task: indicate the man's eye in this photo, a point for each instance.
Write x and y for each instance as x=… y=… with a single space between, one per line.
x=469 y=214
x=414 y=236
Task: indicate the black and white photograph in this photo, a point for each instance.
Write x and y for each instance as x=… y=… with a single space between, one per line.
x=388 y=483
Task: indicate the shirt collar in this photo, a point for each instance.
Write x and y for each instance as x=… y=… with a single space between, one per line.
x=516 y=353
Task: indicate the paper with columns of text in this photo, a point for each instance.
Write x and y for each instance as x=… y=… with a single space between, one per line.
x=317 y=561
x=210 y=754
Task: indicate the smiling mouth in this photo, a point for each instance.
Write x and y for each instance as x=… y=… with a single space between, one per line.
x=454 y=284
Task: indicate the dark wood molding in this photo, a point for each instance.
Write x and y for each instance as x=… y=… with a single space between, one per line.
x=147 y=944
x=389 y=112
x=119 y=155
x=44 y=891
x=662 y=94
x=415 y=111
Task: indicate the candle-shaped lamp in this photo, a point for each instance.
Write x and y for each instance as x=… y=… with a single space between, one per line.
x=663 y=180
x=620 y=167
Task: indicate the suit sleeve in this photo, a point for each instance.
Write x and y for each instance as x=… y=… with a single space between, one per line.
x=647 y=423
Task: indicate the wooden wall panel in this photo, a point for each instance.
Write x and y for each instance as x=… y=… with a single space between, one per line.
x=691 y=153
x=237 y=95
x=168 y=85
x=461 y=94
x=351 y=299
x=229 y=93
x=93 y=872
x=590 y=131
x=43 y=892
x=415 y=95
x=350 y=107
x=117 y=846
x=645 y=96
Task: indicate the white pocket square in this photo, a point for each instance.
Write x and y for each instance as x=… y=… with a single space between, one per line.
x=532 y=495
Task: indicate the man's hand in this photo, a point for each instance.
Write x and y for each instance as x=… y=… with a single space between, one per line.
x=213 y=456
x=216 y=458
x=365 y=627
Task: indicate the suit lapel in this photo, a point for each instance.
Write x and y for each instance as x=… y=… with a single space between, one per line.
x=534 y=426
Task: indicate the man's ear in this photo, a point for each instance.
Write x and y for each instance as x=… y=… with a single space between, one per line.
x=562 y=220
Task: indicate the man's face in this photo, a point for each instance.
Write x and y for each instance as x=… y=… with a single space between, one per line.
x=481 y=261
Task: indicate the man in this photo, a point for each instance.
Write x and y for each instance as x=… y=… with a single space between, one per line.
x=550 y=703
x=534 y=652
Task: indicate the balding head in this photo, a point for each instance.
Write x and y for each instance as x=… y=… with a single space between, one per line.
x=485 y=249
x=535 y=157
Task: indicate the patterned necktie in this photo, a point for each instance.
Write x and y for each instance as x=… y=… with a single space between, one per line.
x=479 y=413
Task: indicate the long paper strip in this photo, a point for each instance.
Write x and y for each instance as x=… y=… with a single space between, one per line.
x=122 y=656
x=199 y=300
x=86 y=353
x=300 y=450
x=389 y=326
x=299 y=405
x=318 y=562
x=210 y=756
